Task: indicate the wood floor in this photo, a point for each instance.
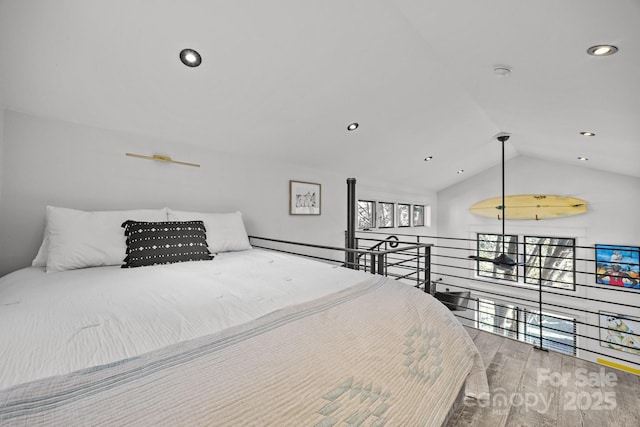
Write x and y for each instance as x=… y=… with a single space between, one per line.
x=534 y=388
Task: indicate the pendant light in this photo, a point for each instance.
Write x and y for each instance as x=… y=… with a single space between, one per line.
x=502 y=261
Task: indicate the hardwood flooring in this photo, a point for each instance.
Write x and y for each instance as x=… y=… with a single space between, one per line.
x=543 y=389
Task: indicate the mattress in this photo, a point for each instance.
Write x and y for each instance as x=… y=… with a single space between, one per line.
x=250 y=338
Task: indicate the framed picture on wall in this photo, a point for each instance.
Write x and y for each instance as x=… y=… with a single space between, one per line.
x=620 y=332
x=618 y=266
x=304 y=198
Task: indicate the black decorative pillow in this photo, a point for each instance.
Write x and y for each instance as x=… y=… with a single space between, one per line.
x=151 y=243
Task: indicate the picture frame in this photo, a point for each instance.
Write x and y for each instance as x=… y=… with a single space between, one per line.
x=618 y=266
x=305 y=198
x=619 y=332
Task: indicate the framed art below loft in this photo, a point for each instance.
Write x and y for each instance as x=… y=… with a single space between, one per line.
x=618 y=266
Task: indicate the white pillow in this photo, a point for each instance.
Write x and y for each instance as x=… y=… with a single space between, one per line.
x=79 y=239
x=43 y=252
x=225 y=231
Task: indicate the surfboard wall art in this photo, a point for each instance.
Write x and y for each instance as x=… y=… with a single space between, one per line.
x=530 y=206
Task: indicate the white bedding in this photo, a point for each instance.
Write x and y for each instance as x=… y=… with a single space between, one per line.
x=95 y=316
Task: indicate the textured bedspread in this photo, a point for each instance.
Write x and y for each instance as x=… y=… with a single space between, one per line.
x=379 y=353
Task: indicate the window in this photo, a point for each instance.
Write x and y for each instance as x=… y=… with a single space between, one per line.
x=418 y=215
x=558 y=332
x=498 y=318
x=404 y=217
x=366 y=214
x=386 y=218
x=372 y=214
x=550 y=260
x=489 y=247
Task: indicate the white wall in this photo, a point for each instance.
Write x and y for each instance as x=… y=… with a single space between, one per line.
x=1 y=149
x=613 y=203
x=51 y=162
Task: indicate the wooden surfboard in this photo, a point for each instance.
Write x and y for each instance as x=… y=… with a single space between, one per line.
x=530 y=206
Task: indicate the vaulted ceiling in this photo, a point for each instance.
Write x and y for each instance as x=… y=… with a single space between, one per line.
x=283 y=79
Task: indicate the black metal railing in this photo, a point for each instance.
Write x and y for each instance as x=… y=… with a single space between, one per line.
x=405 y=264
x=580 y=316
x=375 y=261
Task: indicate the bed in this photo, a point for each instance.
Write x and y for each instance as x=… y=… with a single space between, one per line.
x=249 y=337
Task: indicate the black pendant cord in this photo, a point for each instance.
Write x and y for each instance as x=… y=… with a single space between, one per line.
x=504 y=208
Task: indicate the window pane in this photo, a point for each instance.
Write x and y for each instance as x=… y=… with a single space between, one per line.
x=418 y=215
x=385 y=215
x=489 y=247
x=558 y=332
x=552 y=258
x=498 y=318
x=366 y=214
x=404 y=220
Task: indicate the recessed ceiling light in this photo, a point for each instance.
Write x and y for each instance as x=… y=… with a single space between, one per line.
x=460 y=171
x=352 y=126
x=582 y=159
x=190 y=57
x=426 y=159
x=587 y=134
x=602 y=50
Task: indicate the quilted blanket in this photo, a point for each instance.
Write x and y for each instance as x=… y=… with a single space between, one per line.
x=378 y=353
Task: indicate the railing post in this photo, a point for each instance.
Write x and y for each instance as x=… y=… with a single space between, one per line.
x=418 y=265
x=350 y=257
x=540 y=347
x=427 y=270
x=373 y=264
x=381 y=264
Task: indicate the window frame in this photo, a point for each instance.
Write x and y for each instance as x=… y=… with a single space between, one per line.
x=408 y=206
x=491 y=327
x=570 y=286
x=504 y=276
x=422 y=216
x=374 y=215
x=485 y=320
x=380 y=207
x=551 y=343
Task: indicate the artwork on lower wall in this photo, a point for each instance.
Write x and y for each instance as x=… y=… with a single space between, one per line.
x=618 y=266
x=620 y=332
x=304 y=198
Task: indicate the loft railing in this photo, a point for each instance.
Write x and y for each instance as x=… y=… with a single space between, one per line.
x=406 y=263
x=591 y=320
x=375 y=261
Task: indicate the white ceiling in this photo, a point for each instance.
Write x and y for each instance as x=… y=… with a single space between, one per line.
x=282 y=79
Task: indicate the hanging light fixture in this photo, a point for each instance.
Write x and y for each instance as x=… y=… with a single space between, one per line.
x=502 y=261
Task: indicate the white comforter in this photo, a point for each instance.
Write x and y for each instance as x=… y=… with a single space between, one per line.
x=56 y=323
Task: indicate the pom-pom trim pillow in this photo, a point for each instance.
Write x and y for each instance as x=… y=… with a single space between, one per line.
x=167 y=242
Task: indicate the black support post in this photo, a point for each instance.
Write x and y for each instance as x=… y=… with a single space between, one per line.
x=540 y=346
x=350 y=241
